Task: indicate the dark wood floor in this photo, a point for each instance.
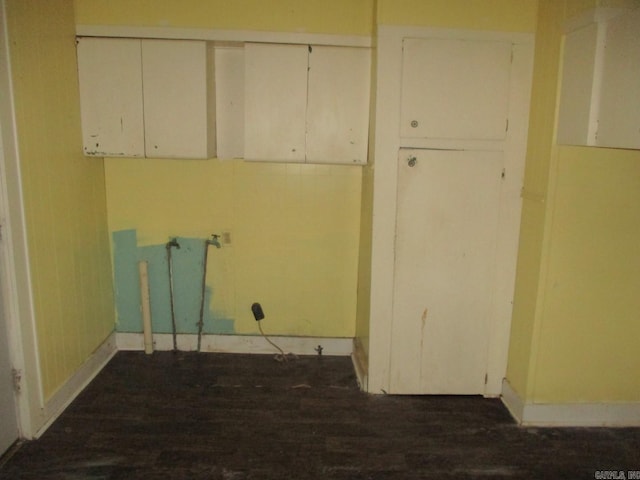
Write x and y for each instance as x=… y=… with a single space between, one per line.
x=221 y=416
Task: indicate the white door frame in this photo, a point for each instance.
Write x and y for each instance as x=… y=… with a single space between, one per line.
x=386 y=145
x=15 y=274
x=9 y=410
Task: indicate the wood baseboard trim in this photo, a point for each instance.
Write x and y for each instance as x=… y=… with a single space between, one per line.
x=239 y=343
x=618 y=414
x=55 y=405
x=360 y=364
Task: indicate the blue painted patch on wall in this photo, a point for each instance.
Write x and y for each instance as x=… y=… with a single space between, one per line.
x=187 y=270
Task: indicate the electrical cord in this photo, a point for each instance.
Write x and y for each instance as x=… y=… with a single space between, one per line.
x=279 y=357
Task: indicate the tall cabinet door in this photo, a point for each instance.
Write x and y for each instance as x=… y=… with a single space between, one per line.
x=447 y=226
x=110 y=79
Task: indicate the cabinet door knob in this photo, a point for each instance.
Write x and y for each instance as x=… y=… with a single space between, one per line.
x=411 y=161
x=414 y=123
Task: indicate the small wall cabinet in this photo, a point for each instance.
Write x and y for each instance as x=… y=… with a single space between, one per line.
x=153 y=98
x=600 y=92
x=306 y=103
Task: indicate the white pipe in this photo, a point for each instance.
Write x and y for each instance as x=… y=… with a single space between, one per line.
x=145 y=306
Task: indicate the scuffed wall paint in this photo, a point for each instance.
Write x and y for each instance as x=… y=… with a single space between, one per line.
x=187 y=271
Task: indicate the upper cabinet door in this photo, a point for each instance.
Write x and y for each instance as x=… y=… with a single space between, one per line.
x=619 y=108
x=179 y=104
x=275 y=102
x=110 y=79
x=338 y=105
x=455 y=89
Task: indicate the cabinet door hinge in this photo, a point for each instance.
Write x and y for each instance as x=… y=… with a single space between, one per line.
x=486 y=378
x=17 y=379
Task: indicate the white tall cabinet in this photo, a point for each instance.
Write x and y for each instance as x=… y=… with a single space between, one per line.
x=142 y=97
x=448 y=212
x=449 y=147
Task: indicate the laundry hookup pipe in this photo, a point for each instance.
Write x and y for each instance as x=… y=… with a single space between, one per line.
x=145 y=306
x=211 y=241
x=172 y=243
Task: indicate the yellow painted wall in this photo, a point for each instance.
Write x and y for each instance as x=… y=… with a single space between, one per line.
x=576 y=307
x=353 y=17
x=551 y=16
x=294 y=234
x=63 y=191
x=363 y=310
x=589 y=321
x=498 y=15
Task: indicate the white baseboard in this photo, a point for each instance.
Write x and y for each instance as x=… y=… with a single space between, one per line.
x=78 y=381
x=360 y=364
x=570 y=415
x=239 y=343
x=512 y=401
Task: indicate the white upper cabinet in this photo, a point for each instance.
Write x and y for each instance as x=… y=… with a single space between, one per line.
x=152 y=98
x=306 y=103
x=111 y=97
x=455 y=89
x=263 y=102
x=600 y=93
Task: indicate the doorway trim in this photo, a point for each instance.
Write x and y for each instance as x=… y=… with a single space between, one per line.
x=15 y=274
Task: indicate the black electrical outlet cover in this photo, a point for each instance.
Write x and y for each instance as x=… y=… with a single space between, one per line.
x=258 y=314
